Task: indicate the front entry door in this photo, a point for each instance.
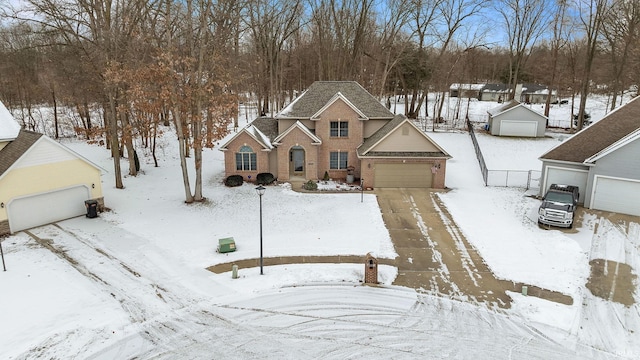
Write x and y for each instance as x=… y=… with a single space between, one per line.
x=297 y=162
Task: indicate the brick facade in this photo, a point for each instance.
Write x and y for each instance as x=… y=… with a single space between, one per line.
x=315 y=112
x=297 y=138
x=262 y=157
x=339 y=111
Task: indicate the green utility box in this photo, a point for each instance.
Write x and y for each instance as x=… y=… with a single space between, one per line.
x=226 y=245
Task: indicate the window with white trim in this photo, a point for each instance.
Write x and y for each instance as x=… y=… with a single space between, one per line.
x=339 y=129
x=338 y=160
x=246 y=159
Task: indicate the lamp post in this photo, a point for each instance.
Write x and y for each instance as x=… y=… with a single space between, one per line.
x=260 y=190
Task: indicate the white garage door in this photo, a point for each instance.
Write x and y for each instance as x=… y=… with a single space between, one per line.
x=403 y=175
x=617 y=195
x=518 y=128
x=36 y=210
x=567 y=177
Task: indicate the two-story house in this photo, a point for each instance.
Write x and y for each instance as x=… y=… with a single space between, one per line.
x=336 y=127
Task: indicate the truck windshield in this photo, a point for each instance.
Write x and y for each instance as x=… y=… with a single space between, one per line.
x=561 y=197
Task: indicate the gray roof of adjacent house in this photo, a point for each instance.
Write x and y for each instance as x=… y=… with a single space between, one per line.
x=16 y=148
x=321 y=92
x=527 y=88
x=599 y=135
x=495 y=87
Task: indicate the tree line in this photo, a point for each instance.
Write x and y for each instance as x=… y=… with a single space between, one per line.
x=145 y=64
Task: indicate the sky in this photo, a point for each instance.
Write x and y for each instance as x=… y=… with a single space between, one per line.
x=137 y=285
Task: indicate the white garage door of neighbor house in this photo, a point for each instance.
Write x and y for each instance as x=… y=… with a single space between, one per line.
x=402 y=175
x=567 y=177
x=617 y=195
x=518 y=128
x=28 y=212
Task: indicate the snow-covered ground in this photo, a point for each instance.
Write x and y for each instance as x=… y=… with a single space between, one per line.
x=132 y=283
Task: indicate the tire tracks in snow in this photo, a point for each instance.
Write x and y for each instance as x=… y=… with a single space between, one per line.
x=166 y=319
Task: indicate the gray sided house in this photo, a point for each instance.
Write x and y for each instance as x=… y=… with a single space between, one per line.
x=466 y=90
x=603 y=160
x=516 y=119
x=337 y=128
x=526 y=93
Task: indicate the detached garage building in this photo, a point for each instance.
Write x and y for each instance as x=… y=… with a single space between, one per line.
x=41 y=181
x=603 y=160
x=516 y=119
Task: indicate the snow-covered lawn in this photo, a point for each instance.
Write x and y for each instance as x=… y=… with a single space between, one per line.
x=139 y=287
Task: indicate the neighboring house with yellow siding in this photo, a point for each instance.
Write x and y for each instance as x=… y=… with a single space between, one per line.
x=41 y=181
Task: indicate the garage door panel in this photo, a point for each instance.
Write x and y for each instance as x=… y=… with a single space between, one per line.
x=402 y=175
x=518 y=128
x=45 y=208
x=567 y=177
x=616 y=195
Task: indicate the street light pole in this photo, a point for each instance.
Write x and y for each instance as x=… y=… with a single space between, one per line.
x=260 y=189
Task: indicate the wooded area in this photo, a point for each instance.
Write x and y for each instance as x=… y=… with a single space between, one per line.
x=145 y=64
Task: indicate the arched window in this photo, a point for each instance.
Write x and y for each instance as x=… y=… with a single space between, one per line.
x=246 y=159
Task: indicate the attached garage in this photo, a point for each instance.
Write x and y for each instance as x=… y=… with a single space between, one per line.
x=35 y=210
x=518 y=128
x=402 y=175
x=401 y=155
x=42 y=181
x=607 y=153
x=616 y=195
x=567 y=176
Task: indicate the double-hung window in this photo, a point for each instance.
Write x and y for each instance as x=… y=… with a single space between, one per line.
x=246 y=159
x=339 y=129
x=338 y=160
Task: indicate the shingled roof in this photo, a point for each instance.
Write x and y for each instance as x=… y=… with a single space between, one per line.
x=16 y=148
x=370 y=142
x=321 y=92
x=598 y=136
x=268 y=126
x=504 y=107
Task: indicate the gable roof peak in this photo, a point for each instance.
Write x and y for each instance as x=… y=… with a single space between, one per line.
x=320 y=93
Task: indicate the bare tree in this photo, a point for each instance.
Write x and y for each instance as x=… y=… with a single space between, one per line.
x=271 y=25
x=559 y=39
x=524 y=21
x=102 y=31
x=621 y=30
x=392 y=41
x=591 y=14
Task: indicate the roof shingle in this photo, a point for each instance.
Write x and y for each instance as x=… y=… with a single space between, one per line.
x=321 y=92
x=598 y=135
x=16 y=148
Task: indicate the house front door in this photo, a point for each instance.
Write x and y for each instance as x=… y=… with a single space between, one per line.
x=297 y=162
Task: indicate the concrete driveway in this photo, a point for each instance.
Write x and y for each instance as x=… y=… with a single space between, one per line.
x=435 y=257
